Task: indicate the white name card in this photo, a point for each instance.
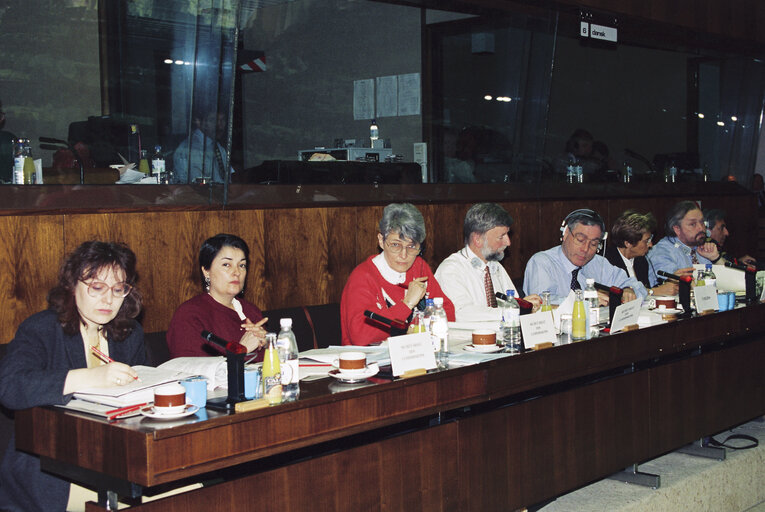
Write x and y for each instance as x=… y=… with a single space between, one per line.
x=538 y=328
x=411 y=352
x=706 y=298
x=626 y=314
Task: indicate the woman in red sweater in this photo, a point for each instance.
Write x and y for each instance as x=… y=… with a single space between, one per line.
x=393 y=282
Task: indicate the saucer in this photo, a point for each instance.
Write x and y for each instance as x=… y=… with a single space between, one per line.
x=487 y=349
x=151 y=412
x=667 y=311
x=370 y=371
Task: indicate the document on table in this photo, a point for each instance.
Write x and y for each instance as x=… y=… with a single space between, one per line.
x=137 y=392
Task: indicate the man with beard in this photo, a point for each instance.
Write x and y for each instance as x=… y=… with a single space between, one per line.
x=717 y=230
x=471 y=276
x=566 y=267
x=685 y=244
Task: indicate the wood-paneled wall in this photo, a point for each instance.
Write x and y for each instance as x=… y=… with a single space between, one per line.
x=299 y=256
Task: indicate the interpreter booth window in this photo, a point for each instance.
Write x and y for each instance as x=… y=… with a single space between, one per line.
x=525 y=97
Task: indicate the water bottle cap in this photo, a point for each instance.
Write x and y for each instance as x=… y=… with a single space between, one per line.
x=285 y=322
x=429 y=302
x=510 y=293
x=589 y=280
x=709 y=266
x=438 y=301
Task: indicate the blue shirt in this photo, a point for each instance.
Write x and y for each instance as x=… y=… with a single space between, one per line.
x=196 y=157
x=550 y=270
x=670 y=254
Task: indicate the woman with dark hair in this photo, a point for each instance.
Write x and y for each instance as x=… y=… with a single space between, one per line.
x=223 y=262
x=94 y=305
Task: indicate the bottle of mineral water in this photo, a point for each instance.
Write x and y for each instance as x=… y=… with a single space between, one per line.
x=439 y=328
x=288 y=361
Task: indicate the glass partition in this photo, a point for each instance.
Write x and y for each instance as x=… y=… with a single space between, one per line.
x=275 y=91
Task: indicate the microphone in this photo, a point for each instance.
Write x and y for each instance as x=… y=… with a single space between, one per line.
x=526 y=306
x=610 y=289
x=739 y=266
x=683 y=279
x=397 y=327
x=230 y=346
x=51 y=140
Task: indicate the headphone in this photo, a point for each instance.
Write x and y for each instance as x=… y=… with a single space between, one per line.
x=709 y=230
x=589 y=215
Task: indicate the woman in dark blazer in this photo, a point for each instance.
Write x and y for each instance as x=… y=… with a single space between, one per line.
x=51 y=357
x=631 y=238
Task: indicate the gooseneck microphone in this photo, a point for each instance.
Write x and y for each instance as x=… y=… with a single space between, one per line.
x=750 y=282
x=525 y=306
x=397 y=327
x=610 y=289
x=233 y=347
x=614 y=296
x=680 y=279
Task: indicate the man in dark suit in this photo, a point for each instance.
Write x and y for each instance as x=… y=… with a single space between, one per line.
x=632 y=236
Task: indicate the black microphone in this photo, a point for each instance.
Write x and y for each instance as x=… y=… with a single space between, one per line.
x=396 y=326
x=738 y=266
x=683 y=279
x=230 y=346
x=51 y=140
x=610 y=289
x=525 y=306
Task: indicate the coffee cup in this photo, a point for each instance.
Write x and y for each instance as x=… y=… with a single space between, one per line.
x=665 y=302
x=351 y=362
x=170 y=399
x=484 y=337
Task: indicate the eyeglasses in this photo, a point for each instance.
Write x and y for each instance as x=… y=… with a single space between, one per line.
x=396 y=247
x=99 y=288
x=581 y=239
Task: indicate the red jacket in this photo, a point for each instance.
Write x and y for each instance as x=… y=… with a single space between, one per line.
x=364 y=291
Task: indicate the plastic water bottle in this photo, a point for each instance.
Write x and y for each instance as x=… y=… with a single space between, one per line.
x=374 y=133
x=579 y=174
x=157 y=163
x=288 y=360
x=439 y=328
x=592 y=302
x=710 y=279
x=427 y=316
x=512 y=332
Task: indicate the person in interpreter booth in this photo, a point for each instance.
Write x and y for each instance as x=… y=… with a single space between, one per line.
x=567 y=266
x=88 y=338
x=392 y=283
x=631 y=239
x=685 y=243
x=223 y=262
x=472 y=276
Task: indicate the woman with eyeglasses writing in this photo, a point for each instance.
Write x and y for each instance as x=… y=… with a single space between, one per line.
x=392 y=283
x=55 y=353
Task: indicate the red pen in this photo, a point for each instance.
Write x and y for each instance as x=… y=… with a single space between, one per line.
x=103 y=357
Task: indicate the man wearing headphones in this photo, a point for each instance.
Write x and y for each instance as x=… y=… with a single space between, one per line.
x=717 y=230
x=471 y=276
x=685 y=243
x=567 y=266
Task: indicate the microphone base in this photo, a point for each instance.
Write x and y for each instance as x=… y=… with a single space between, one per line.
x=224 y=404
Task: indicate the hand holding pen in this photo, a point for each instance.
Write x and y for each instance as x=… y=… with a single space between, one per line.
x=116 y=374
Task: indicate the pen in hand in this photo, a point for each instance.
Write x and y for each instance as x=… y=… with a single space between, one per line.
x=106 y=359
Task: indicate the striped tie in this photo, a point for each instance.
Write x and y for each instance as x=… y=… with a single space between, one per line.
x=491 y=299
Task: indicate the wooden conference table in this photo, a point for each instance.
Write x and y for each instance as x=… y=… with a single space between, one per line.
x=494 y=436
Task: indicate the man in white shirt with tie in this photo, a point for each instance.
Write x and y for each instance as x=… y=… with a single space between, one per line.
x=471 y=276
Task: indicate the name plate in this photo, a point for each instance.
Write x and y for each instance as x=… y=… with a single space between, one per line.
x=538 y=328
x=411 y=352
x=626 y=314
x=706 y=298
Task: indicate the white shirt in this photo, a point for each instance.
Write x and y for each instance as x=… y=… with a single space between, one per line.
x=629 y=263
x=461 y=278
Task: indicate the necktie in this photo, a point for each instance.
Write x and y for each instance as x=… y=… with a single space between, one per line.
x=694 y=259
x=574 y=282
x=491 y=299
